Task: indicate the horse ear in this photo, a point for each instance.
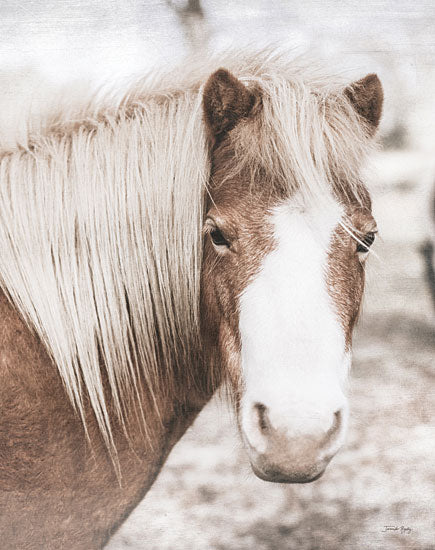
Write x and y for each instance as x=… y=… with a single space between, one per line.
x=226 y=101
x=367 y=97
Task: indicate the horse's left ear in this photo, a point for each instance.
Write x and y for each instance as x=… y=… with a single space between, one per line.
x=226 y=101
x=367 y=97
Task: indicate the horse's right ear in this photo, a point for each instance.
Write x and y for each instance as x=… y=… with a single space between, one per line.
x=226 y=101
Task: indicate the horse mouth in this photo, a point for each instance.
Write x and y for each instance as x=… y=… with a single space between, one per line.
x=273 y=475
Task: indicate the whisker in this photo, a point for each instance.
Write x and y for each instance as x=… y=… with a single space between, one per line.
x=359 y=241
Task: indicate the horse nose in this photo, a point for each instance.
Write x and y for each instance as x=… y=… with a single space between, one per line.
x=293 y=451
x=326 y=438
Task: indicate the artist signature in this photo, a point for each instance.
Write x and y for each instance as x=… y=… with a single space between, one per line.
x=402 y=530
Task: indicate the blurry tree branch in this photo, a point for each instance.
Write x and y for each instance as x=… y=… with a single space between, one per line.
x=190 y=7
x=193 y=22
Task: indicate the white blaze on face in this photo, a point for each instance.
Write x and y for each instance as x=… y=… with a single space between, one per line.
x=293 y=346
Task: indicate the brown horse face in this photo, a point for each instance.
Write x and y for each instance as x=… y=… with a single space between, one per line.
x=282 y=283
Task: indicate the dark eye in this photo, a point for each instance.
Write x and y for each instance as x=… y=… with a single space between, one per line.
x=218 y=238
x=366 y=242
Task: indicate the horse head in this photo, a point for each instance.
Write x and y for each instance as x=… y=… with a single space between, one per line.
x=288 y=228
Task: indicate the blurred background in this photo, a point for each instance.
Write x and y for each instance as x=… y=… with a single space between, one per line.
x=206 y=496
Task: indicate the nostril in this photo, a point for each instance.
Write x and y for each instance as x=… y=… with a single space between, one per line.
x=263 y=420
x=336 y=423
x=333 y=435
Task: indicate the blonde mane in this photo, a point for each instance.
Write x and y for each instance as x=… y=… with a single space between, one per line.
x=101 y=214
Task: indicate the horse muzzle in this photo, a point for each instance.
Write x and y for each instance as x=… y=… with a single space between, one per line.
x=296 y=451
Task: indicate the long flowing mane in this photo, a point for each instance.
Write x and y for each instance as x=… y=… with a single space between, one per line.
x=101 y=214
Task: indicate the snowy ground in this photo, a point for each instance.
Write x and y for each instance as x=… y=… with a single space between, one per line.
x=206 y=497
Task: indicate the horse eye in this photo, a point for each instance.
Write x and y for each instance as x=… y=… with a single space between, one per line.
x=366 y=242
x=218 y=238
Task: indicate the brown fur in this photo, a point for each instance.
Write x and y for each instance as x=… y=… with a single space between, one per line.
x=345 y=275
x=226 y=101
x=58 y=490
x=225 y=276
x=367 y=96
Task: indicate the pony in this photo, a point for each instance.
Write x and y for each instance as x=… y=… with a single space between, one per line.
x=207 y=228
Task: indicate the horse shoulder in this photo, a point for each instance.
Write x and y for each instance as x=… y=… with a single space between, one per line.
x=58 y=489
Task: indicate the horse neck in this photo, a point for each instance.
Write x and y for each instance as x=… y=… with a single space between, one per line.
x=55 y=479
